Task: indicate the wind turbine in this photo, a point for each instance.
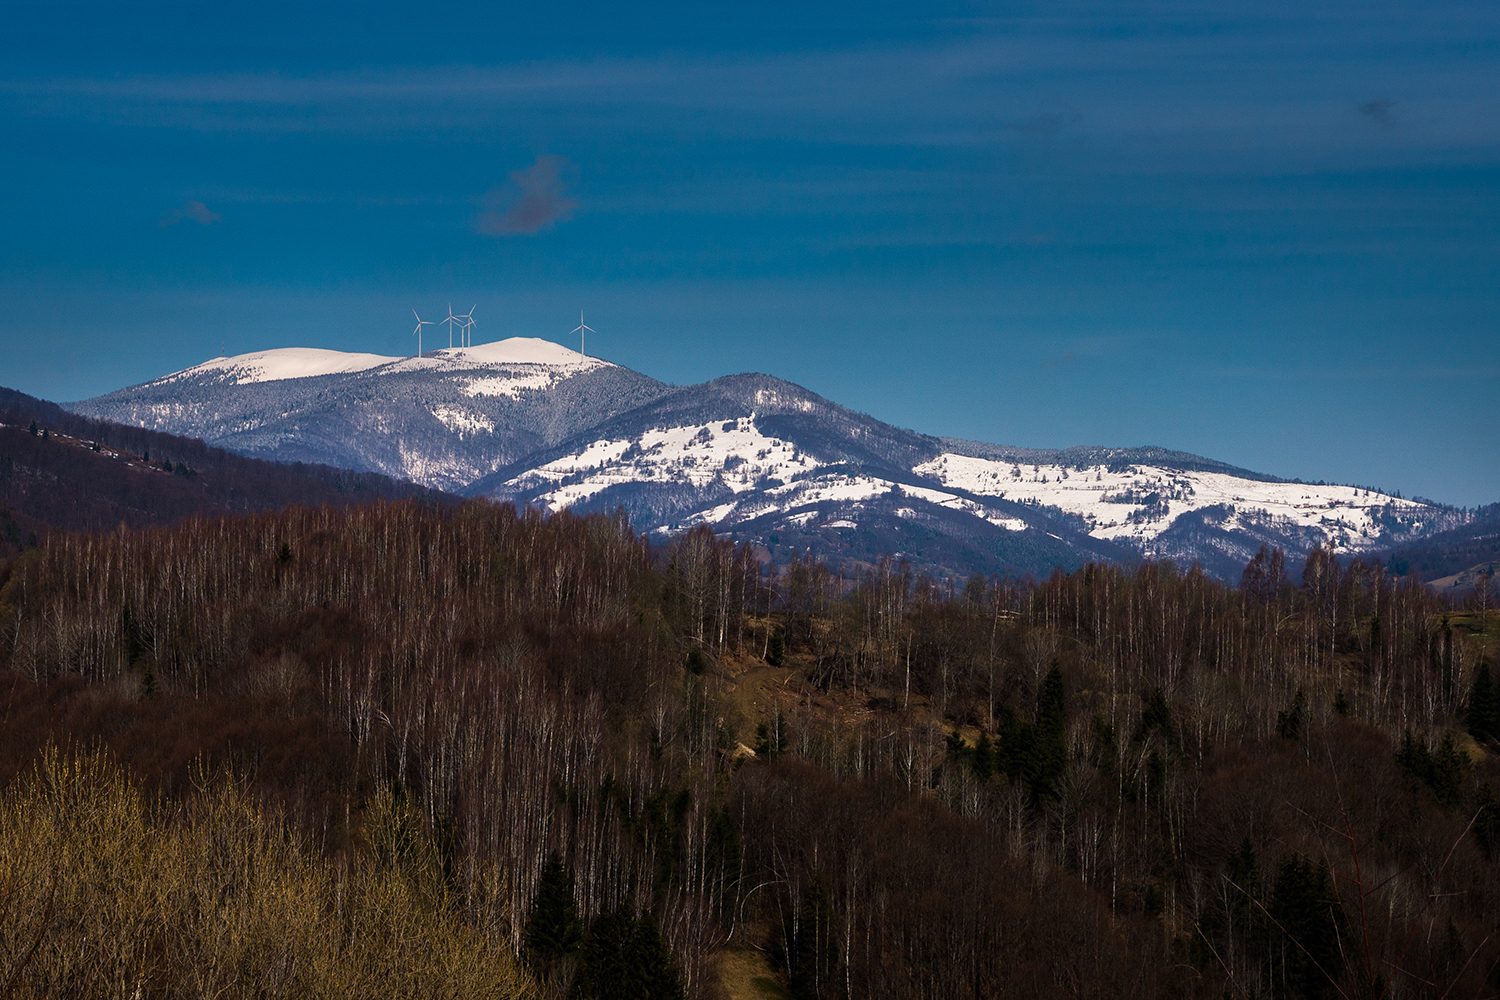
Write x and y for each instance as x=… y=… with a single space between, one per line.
x=466 y=326
x=418 y=331
x=450 y=321
x=579 y=329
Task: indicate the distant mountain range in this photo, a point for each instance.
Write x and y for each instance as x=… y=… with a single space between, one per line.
x=756 y=458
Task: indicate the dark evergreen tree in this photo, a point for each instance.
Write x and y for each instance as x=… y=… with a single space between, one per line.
x=770 y=738
x=1309 y=916
x=1156 y=717
x=1290 y=721
x=1482 y=717
x=726 y=860
x=626 y=958
x=650 y=964
x=982 y=759
x=1049 y=757
x=775 y=648
x=605 y=958
x=1243 y=875
x=958 y=750
x=814 y=957
x=553 y=931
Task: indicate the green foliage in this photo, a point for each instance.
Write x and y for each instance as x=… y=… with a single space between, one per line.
x=1036 y=752
x=625 y=958
x=134 y=636
x=1156 y=717
x=1290 y=721
x=1105 y=752
x=770 y=738
x=1443 y=771
x=1048 y=760
x=982 y=760
x=725 y=863
x=553 y=930
x=1487 y=823
x=661 y=825
x=814 y=958
x=1310 y=918
x=776 y=648
x=957 y=749
x=1482 y=715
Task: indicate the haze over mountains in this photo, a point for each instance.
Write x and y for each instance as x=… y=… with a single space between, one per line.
x=754 y=457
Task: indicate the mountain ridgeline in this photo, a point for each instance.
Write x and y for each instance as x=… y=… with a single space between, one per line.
x=759 y=460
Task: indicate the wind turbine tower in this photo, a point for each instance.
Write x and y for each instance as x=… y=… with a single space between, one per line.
x=466 y=327
x=418 y=331
x=450 y=321
x=580 y=329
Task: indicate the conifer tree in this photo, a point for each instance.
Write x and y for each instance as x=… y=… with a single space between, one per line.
x=814 y=952
x=1307 y=911
x=1048 y=758
x=982 y=760
x=553 y=930
x=1482 y=717
x=626 y=958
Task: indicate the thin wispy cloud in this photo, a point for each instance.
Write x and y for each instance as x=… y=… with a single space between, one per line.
x=191 y=211
x=536 y=199
x=1272 y=92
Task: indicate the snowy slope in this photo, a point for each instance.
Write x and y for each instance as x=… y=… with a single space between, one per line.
x=1137 y=503
x=443 y=419
x=757 y=458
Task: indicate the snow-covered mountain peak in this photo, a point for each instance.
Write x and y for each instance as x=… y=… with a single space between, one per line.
x=520 y=351
x=506 y=367
x=282 y=363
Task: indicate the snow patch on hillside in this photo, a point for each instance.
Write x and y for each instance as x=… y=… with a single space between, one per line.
x=284 y=363
x=463 y=422
x=1138 y=503
x=733 y=453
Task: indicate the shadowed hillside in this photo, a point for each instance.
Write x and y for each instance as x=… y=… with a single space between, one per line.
x=65 y=471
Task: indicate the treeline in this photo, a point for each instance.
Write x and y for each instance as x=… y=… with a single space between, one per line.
x=1110 y=782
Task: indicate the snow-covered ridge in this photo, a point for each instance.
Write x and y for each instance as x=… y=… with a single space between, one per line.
x=763 y=474
x=283 y=363
x=1140 y=502
x=515 y=364
x=731 y=453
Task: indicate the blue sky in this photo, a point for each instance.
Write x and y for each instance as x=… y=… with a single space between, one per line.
x=1266 y=233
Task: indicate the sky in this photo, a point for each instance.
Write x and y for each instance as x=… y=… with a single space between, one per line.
x=1268 y=233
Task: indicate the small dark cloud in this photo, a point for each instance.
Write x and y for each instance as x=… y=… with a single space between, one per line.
x=194 y=211
x=1065 y=358
x=1379 y=110
x=534 y=200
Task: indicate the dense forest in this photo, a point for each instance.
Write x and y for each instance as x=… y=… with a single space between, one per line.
x=465 y=750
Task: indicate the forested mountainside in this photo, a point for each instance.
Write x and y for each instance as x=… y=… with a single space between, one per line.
x=1449 y=553
x=622 y=762
x=62 y=470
